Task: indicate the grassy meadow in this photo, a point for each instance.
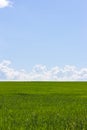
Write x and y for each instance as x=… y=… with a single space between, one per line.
x=43 y=105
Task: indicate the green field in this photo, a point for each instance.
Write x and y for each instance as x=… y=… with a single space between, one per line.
x=43 y=105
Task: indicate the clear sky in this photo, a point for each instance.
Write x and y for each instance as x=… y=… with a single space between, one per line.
x=48 y=32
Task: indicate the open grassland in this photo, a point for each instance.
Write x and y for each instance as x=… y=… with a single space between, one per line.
x=43 y=105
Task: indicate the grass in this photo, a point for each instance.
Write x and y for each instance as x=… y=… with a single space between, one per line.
x=43 y=105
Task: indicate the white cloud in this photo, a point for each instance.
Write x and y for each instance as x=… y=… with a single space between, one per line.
x=42 y=73
x=5 y=3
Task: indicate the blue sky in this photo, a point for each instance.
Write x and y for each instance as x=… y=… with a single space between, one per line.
x=49 y=32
